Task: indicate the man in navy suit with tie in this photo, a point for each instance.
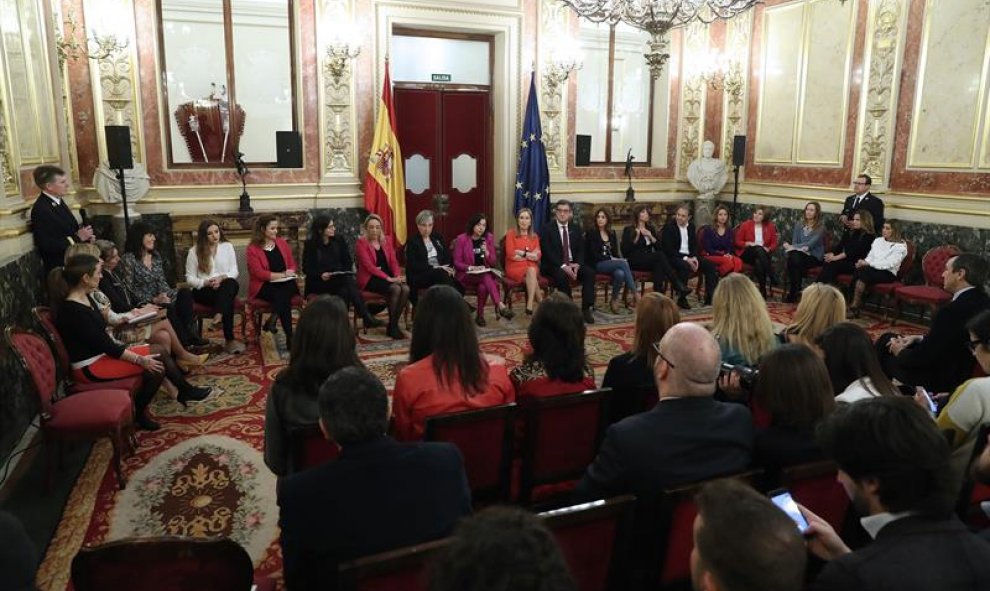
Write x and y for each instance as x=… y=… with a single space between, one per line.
x=52 y=223
x=563 y=257
x=862 y=199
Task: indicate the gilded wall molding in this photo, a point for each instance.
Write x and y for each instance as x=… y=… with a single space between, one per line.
x=8 y=172
x=337 y=100
x=553 y=25
x=884 y=51
x=693 y=91
x=739 y=31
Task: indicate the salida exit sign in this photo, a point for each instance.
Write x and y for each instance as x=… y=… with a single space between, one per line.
x=440 y=77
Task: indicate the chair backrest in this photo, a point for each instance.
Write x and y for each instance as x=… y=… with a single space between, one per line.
x=698 y=234
x=933 y=263
x=165 y=564
x=484 y=437
x=908 y=262
x=406 y=569
x=624 y=402
x=593 y=537
x=561 y=436
x=36 y=358
x=45 y=318
x=973 y=493
x=814 y=486
x=308 y=447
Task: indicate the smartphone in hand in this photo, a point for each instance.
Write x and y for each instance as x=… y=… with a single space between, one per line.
x=783 y=499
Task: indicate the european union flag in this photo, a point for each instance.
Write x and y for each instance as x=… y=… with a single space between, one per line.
x=533 y=174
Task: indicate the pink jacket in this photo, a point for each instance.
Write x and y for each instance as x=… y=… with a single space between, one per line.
x=257 y=264
x=367 y=260
x=464 y=254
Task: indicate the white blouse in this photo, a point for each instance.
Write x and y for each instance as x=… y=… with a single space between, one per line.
x=886 y=256
x=223 y=263
x=861 y=389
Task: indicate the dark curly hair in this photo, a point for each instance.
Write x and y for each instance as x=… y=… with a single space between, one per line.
x=556 y=335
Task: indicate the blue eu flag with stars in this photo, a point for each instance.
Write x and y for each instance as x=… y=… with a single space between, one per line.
x=533 y=175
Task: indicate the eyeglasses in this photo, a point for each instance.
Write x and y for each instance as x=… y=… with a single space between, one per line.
x=973 y=345
x=656 y=347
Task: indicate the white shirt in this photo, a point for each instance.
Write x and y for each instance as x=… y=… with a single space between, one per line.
x=431 y=252
x=956 y=295
x=861 y=389
x=886 y=256
x=684 y=241
x=223 y=263
x=874 y=523
x=55 y=200
x=563 y=232
x=759 y=234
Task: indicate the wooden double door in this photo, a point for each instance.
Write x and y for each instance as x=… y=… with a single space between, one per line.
x=445 y=135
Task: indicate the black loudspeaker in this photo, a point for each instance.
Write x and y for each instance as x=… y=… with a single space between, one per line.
x=739 y=150
x=288 y=145
x=119 y=146
x=582 y=157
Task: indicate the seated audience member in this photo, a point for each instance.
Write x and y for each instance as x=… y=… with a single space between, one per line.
x=862 y=199
x=499 y=549
x=447 y=371
x=323 y=343
x=122 y=299
x=755 y=241
x=211 y=270
x=329 y=268
x=740 y=322
x=821 y=307
x=894 y=464
x=880 y=265
x=642 y=248
x=969 y=406
x=743 y=542
x=95 y=357
x=556 y=362
x=602 y=250
x=474 y=261
x=378 y=495
x=854 y=245
x=852 y=364
x=940 y=360
x=655 y=314
x=428 y=260
x=522 y=257
x=18 y=555
x=687 y=437
x=805 y=250
x=563 y=257
x=794 y=389
x=680 y=244
x=145 y=277
x=378 y=271
x=273 y=273
x=52 y=223
x=717 y=243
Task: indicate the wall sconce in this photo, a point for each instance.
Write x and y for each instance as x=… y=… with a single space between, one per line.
x=339 y=53
x=562 y=59
x=96 y=47
x=721 y=73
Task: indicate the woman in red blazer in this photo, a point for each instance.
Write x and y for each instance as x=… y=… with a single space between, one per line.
x=378 y=271
x=755 y=241
x=272 y=272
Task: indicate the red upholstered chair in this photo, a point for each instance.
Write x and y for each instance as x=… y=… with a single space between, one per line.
x=43 y=315
x=372 y=298
x=405 y=569
x=561 y=436
x=973 y=493
x=593 y=538
x=88 y=415
x=931 y=293
x=163 y=564
x=814 y=486
x=202 y=312
x=308 y=447
x=484 y=437
x=258 y=307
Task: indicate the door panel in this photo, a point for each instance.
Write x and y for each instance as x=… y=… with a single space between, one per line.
x=417 y=115
x=465 y=149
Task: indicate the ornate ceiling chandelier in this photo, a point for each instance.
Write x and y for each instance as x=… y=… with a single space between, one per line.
x=658 y=17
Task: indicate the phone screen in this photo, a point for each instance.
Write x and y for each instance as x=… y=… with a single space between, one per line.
x=931 y=401
x=784 y=501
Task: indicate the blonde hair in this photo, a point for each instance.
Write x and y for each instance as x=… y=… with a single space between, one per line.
x=367 y=220
x=740 y=318
x=89 y=248
x=655 y=314
x=532 y=230
x=822 y=306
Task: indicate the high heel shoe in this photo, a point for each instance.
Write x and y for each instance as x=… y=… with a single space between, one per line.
x=480 y=320
x=188 y=364
x=192 y=393
x=505 y=312
x=529 y=311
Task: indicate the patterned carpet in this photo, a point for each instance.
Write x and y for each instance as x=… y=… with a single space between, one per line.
x=203 y=474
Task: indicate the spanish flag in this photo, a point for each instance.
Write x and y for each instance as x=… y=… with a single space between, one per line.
x=384 y=185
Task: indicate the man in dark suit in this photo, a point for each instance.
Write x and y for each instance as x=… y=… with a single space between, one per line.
x=52 y=223
x=894 y=464
x=680 y=243
x=862 y=199
x=687 y=437
x=941 y=360
x=378 y=495
x=562 y=244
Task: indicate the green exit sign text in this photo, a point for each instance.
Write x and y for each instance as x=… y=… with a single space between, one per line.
x=440 y=77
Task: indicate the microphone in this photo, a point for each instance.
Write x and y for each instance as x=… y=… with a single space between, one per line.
x=82 y=214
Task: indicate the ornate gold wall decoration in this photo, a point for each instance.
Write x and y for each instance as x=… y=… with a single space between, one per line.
x=553 y=25
x=11 y=182
x=693 y=89
x=737 y=41
x=337 y=94
x=887 y=20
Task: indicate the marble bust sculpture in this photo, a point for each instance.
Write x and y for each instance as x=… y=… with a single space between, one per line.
x=706 y=174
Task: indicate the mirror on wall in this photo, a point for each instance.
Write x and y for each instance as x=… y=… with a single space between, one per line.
x=228 y=76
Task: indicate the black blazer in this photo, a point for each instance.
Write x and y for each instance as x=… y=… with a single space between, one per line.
x=942 y=361
x=121 y=298
x=870 y=203
x=319 y=258
x=670 y=240
x=630 y=247
x=377 y=496
x=595 y=246
x=627 y=371
x=679 y=441
x=54 y=228
x=913 y=554
x=553 y=247
x=416 y=259
x=856 y=244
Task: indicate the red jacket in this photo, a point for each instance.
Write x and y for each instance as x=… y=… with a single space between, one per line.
x=257 y=264
x=746 y=232
x=367 y=260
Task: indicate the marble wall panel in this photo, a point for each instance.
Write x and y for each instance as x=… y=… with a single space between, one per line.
x=780 y=84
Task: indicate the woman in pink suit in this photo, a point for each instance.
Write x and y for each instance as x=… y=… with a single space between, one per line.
x=474 y=252
x=755 y=241
x=378 y=271
x=272 y=272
